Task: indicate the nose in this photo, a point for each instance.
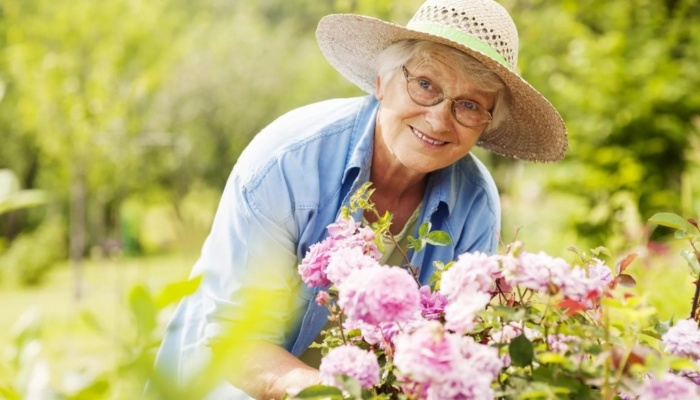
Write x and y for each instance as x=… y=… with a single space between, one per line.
x=439 y=116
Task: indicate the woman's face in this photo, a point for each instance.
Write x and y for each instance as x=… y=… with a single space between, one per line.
x=425 y=139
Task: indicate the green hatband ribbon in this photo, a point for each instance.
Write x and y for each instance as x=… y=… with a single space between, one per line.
x=459 y=37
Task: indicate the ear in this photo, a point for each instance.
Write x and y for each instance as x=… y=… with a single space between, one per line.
x=378 y=89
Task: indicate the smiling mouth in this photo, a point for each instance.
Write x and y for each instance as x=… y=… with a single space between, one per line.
x=426 y=139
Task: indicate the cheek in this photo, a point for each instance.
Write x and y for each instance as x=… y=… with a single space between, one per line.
x=400 y=109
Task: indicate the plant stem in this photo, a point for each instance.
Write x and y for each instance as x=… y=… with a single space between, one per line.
x=608 y=361
x=339 y=319
x=695 y=299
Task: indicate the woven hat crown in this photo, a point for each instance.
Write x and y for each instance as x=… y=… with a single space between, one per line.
x=484 y=20
x=533 y=129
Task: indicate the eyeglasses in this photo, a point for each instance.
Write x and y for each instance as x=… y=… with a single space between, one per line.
x=424 y=93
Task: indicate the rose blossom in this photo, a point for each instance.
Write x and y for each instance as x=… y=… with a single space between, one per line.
x=432 y=303
x=384 y=333
x=668 y=387
x=543 y=273
x=449 y=365
x=374 y=334
x=427 y=354
x=322 y=298
x=534 y=271
x=344 y=261
x=600 y=272
x=510 y=331
x=576 y=285
x=485 y=357
x=461 y=312
x=692 y=376
x=362 y=238
x=343 y=228
x=379 y=294
x=345 y=236
x=683 y=339
x=562 y=344
x=313 y=267
x=467 y=382
x=351 y=361
x=476 y=270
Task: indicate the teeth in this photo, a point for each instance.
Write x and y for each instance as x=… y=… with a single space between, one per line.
x=427 y=139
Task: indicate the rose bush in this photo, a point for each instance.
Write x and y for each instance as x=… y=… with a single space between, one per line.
x=510 y=325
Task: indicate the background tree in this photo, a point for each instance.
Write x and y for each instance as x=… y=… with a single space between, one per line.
x=132 y=113
x=621 y=74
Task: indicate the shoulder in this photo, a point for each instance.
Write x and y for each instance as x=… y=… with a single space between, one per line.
x=304 y=129
x=476 y=178
x=475 y=214
x=297 y=162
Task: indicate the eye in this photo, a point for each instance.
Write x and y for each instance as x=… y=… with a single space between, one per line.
x=425 y=84
x=468 y=105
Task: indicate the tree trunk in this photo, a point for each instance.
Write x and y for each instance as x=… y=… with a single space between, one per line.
x=77 y=228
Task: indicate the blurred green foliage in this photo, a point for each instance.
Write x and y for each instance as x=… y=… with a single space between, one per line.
x=105 y=104
x=131 y=113
x=12 y=197
x=33 y=253
x=622 y=75
x=27 y=372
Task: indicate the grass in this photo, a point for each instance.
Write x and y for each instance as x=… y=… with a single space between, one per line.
x=69 y=343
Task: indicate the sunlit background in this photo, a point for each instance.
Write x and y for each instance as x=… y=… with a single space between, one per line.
x=120 y=121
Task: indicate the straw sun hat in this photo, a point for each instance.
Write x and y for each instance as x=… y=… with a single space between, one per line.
x=533 y=131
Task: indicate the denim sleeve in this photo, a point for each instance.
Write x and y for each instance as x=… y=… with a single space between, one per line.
x=250 y=284
x=481 y=229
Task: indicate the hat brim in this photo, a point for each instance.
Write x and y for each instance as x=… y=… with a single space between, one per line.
x=533 y=130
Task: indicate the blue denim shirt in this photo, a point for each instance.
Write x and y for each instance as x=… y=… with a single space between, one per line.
x=288 y=185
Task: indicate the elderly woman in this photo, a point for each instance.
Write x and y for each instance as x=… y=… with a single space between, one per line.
x=439 y=86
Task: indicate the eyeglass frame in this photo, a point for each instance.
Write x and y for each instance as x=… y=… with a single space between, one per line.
x=441 y=97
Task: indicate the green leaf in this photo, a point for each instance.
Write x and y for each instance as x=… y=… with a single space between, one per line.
x=663 y=326
x=652 y=332
x=438 y=265
x=423 y=229
x=385 y=220
x=692 y=261
x=415 y=244
x=319 y=392
x=91 y=320
x=379 y=242
x=143 y=308
x=94 y=388
x=438 y=238
x=683 y=364
x=672 y=221
x=552 y=358
x=682 y=235
x=351 y=386
x=544 y=394
x=521 y=351
x=174 y=292
x=23 y=199
x=9 y=393
x=600 y=250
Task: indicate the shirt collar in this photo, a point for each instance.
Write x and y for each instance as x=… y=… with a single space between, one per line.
x=361 y=148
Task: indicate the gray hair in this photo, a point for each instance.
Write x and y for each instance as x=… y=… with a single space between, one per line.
x=390 y=60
